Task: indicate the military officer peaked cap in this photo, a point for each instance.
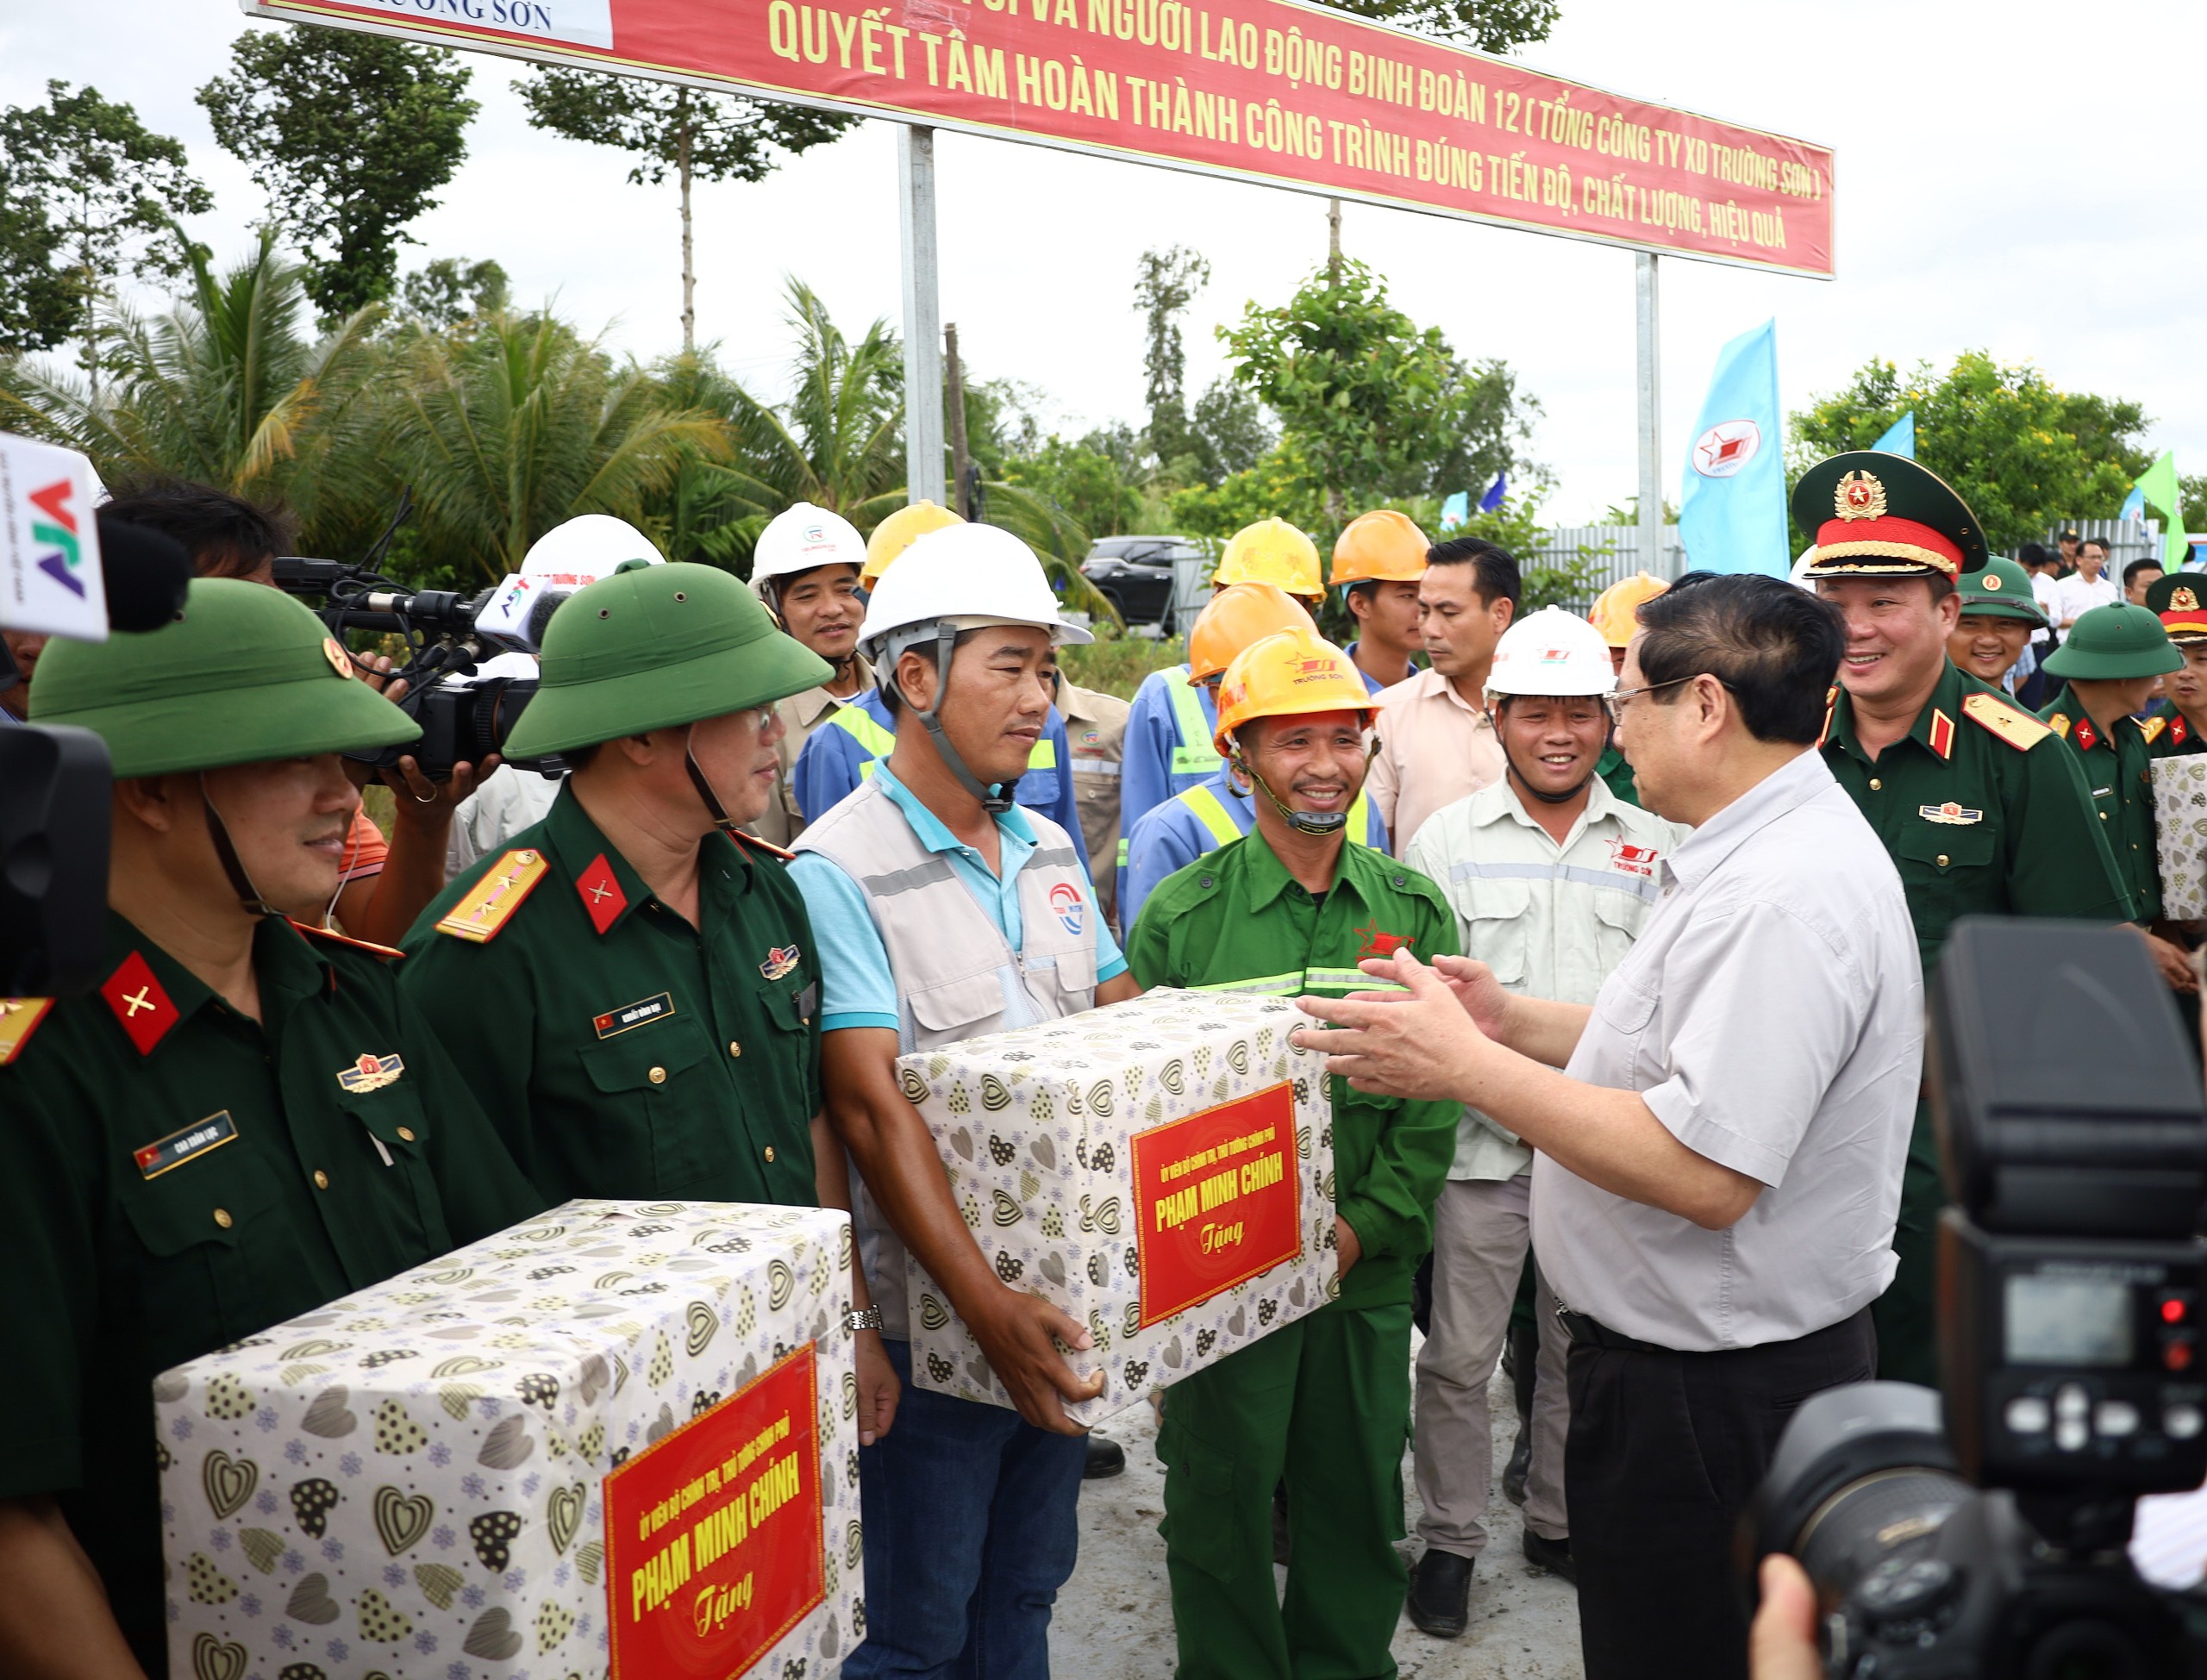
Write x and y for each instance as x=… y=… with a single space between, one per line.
x=244 y=674
x=2002 y=590
x=653 y=647
x=2113 y=644
x=1881 y=516
x=2180 y=598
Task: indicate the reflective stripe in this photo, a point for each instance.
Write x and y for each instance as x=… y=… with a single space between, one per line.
x=1057 y=857
x=1359 y=818
x=860 y=727
x=1045 y=755
x=1215 y=817
x=926 y=874
x=1270 y=985
x=1640 y=886
x=1291 y=985
x=1094 y=767
x=1194 y=755
x=1123 y=852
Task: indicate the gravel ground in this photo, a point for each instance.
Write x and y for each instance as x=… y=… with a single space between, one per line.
x=1115 y=1617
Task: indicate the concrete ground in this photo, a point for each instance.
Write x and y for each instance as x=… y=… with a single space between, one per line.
x=1114 y=1618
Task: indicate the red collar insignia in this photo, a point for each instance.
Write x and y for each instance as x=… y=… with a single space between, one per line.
x=2087 y=737
x=600 y=890
x=1377 y=944
x=138 y=1002
x=2179 y=731
x=1942 y=734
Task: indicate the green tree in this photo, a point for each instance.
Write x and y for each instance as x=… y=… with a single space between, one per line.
x=1086 y=484
x=1374 y=405
x=87 y=194
x=1166 y=283
x=2020 y=453
x=225 y=388
x=451 y=290
x=2193 y=490
x=1492 y=26
x=350 y=136
x=1229 y=429
x=677 y=130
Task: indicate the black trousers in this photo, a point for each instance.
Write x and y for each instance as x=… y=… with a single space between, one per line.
x=1664 y=1451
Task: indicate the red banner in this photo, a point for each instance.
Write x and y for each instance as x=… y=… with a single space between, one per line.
x=1217 y=1200
x=1273 y=90
x=713 y=1535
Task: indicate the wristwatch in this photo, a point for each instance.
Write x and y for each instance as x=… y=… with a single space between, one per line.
x=870 y=1319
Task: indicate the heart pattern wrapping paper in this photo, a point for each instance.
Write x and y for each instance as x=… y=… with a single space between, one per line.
x=2180 y=831
x=416 y=1481
x=1161 y=1170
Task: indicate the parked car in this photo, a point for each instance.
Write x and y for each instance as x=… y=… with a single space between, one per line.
x=1136 y=574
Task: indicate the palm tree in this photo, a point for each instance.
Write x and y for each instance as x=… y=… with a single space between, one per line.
x=523 y=424
x=225 y=388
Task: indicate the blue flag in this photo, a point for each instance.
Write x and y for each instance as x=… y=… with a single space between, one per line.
x=1900 y=437
x=1733 y=515
x=2134 y=505
x=1455 y=510
x=1496 y=491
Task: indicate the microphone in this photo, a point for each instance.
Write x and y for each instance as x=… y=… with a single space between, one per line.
x=146 y=573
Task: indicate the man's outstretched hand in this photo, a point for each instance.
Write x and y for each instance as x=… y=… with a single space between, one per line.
x=1420 y=1043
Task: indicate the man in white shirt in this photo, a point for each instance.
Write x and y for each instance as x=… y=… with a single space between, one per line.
x=1721 y=1134
x=2088 y=588
x=1552 y=877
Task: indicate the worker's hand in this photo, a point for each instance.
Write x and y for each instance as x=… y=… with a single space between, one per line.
x=426 y=805
x=2174 y=963
x=1019 y=1334
x=1347 y=1251
x=1420 y=1044
x=1782 y=1643
x=879 y=1389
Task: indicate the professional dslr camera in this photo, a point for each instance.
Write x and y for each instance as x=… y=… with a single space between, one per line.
x=2073 y=1293
x=465 y=714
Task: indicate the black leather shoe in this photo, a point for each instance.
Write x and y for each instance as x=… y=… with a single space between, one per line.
x=1551 y=1556
x=1105 y=1458
x=1520 y=1466
x=1441 y=1594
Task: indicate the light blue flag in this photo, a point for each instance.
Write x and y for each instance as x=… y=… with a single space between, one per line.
x=1455 y=510
x=1900 y=437
x=1733 y=515
x=2134 y=505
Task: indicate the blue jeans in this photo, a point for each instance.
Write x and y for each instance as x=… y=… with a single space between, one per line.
x=971 y=1527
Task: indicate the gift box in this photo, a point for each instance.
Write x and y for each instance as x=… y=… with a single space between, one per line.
x=1159 y=1169
x=620 y=1438
x=2180 y=831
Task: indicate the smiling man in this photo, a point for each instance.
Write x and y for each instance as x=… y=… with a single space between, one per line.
x=2180 y=598
x=805 y=568
x=1998 y=617
x=1982 y=809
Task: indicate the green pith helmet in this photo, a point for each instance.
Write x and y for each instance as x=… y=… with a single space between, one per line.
x=2002 y=590
x=2113 y=644
x=247 y=673
x=1881 y=516
x=653 y=647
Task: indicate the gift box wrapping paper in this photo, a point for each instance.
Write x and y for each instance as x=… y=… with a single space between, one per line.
x=1161 y=1169
x=2180 y=830
x=620 y=1438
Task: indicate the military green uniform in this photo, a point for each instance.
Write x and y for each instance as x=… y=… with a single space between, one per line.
x=179 y=1175
x=1981 y=809
x=2170 y=735
x=620 y=1051
x=2118 y=774
x=1323 y=1402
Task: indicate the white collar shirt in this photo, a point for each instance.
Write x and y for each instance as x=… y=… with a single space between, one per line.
x=1771 y=1016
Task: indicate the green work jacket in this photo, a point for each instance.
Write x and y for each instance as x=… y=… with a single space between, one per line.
x=180 y=1176
x=1616 y=774
x=2119 y=775
x=1237 y=921
x=620 y=1051
x=1984 y=811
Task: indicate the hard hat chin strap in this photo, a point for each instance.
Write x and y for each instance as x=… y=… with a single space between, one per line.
x=994 y=799
x=721 y=820
x=1319 y=825
x=1545 y=797
x=241 y=884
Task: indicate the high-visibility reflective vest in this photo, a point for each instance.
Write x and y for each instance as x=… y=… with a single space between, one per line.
x=878 y=743
x=1219 y=821
x=1194 y=755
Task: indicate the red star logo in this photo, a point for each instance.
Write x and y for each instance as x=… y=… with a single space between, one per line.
x=1377 y=944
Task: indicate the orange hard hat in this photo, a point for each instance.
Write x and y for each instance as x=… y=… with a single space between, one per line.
x=899 y=531
x=1288 y=675
x=1614 y=606
x=1272 y=552
x=1238 y=615
x=1382 y=546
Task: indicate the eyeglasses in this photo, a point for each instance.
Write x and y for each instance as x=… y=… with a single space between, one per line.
x=1615 y=701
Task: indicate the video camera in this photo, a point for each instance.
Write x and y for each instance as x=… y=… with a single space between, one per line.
x=2073 y=1291
x=465 y=715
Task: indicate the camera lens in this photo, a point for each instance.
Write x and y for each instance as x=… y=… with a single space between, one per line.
x=1848 y=1544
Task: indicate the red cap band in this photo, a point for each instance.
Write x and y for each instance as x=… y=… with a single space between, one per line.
x=1904 y=539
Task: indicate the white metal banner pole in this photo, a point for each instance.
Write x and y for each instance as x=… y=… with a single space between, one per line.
x=1651 y=416
x=922 y=317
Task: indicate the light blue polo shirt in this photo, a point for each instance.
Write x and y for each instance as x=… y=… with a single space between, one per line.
x=857 y=988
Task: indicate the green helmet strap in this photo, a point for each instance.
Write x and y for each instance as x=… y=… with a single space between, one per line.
x=240 y=882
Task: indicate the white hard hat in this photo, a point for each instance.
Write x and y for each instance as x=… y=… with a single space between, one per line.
x=1551 y=651
x=801 y=537
x=586 y=548
x=969 y=574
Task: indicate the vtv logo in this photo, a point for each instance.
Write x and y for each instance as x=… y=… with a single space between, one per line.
x=58 y=528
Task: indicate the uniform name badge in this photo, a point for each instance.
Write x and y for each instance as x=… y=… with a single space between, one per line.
x=615 y=1022
x=371 y=1072
x=166 y=1154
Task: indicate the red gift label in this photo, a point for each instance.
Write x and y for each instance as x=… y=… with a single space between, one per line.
x=712 y=1536
x=1217 y=1199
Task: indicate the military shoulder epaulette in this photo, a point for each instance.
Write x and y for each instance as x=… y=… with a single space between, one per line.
x=758 y=845
x=2010 y=723
x=2151 y=728
x=330 y=936
x=19 y=1019
x=490 y=904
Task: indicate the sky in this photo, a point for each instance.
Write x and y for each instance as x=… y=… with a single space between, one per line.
x=2014 y=178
